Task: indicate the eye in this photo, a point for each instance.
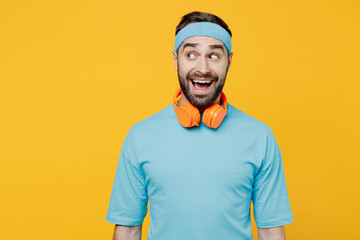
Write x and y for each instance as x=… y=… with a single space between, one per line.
x=213 y=56
x=190 y=55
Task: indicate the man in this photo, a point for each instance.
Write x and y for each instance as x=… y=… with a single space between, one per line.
x=200 y=161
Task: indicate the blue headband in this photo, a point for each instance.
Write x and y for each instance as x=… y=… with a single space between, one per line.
x=203 y=29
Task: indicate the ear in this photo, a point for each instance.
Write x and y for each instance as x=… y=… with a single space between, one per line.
x=175 y=59
x=230 y=60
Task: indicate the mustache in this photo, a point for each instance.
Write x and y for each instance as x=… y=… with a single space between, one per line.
x=208 y=76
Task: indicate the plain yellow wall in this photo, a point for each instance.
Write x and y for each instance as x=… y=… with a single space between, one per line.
x=76 y=75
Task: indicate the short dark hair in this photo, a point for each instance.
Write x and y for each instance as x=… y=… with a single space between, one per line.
x=196 y=16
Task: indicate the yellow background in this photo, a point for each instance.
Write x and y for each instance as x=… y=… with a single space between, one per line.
x=76 y=75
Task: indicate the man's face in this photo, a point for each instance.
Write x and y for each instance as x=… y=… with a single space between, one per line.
x=202 y=64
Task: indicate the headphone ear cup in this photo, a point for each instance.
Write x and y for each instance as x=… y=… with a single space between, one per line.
x=188 y=115
x=213 y=116
x=206 y=118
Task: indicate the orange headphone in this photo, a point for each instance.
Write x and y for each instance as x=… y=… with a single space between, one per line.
x=189 y=116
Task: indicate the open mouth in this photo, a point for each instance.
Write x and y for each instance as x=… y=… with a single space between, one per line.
x=201 y=84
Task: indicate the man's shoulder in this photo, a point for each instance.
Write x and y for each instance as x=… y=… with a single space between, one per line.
x=160 y=119
x=165 y=119
x=239 y=119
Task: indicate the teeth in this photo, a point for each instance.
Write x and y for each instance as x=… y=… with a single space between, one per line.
x=196 y=81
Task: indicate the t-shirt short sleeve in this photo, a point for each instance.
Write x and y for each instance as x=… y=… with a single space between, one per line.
x=270 y=197
x=128 y=202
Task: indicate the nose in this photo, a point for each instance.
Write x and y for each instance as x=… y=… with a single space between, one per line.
x=203 y=66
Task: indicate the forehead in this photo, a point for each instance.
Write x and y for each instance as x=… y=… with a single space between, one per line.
x=203 y=41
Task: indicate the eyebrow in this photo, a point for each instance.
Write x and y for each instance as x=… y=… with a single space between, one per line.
x=193 y=45
x=217 y=46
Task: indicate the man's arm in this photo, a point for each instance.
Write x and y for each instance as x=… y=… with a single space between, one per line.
x=276 y=233
x=127 y=232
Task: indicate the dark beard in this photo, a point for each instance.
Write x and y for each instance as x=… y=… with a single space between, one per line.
x=201 y=101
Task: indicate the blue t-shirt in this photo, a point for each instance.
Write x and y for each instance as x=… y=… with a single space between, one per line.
x=200 y=181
